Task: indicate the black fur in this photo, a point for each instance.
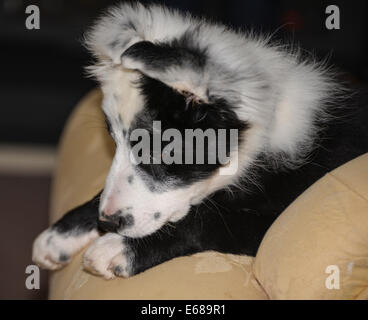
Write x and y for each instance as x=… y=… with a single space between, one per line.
x=80 y=220
x=161 y=56
x=130 y=179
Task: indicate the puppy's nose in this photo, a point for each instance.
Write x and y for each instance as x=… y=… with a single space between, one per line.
x=115 y=222
x=109 y=223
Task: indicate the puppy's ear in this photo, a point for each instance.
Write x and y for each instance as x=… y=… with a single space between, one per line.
x=145 y=55
x=182 y=68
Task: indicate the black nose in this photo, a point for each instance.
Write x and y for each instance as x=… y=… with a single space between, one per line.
x=115 y=222
x=107 y=226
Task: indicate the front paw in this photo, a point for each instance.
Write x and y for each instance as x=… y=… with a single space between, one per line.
x=53 y=250
x=109 y=257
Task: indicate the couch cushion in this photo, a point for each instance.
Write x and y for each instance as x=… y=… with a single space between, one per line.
x=321 y=238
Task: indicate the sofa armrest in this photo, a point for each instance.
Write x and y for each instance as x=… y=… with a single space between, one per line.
x=318 y=247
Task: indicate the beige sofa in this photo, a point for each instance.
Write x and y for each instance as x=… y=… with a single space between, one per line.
x=317 y=249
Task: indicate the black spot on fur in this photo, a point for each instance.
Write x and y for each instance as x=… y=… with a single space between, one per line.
x=130 y=179
x=127 y=221
x=157 y=215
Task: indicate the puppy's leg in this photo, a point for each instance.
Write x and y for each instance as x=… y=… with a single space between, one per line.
x=202 y=229
x=55 y=246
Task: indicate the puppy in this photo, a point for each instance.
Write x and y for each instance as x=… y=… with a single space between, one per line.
x=159 y=67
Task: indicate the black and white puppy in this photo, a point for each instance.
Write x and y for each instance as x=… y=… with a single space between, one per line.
x=156 y=64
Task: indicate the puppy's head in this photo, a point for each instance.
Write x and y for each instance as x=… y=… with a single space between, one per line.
x=170 y=133
x=163 y=73
x=159 y=73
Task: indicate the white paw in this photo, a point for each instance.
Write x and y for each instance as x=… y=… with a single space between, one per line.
x=108 y=257
x=53 y=250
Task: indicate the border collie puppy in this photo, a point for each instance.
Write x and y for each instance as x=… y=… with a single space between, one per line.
x=156 y=64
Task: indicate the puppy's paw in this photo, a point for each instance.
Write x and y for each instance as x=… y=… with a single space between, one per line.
x=53 y=250
x=109 y=257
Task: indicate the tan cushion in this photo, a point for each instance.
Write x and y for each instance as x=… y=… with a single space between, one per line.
x=85 y=155
x=326 y=226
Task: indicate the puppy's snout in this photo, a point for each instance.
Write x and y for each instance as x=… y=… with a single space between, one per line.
x=115 y=222
x=108 y=223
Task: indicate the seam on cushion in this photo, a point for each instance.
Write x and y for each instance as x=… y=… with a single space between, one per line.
x=348 y=187
x=260 y=285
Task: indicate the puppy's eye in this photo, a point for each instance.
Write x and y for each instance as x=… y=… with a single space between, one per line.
x=191 y=99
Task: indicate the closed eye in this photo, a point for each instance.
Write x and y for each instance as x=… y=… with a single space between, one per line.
x=190 y=98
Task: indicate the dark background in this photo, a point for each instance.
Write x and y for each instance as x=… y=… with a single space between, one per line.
x=42 y=75
x=42 y=79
